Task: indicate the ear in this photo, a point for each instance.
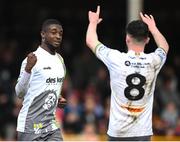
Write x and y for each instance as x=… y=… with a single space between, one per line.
x=127 y=39
x=147 y=40
x=42 y=34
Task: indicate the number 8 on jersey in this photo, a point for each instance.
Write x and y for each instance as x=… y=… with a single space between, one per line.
x=135 y=91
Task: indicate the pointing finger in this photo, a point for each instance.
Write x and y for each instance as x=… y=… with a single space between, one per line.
x=152 y=17
x=98 y=10
x=147 y=16
x=141 y=15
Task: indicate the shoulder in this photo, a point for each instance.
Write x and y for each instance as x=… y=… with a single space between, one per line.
x=159 y=53
x=101 y=48
x=60 y=57
x=38 y=51
x=158 y=57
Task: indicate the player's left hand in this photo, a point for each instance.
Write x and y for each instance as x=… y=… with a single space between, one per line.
x=149 y=20
x=62 y=102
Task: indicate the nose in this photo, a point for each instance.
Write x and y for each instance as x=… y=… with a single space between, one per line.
x=58 y=36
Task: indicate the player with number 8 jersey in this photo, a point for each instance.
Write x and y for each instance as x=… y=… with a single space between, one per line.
x=132 y=88
x=132 y=77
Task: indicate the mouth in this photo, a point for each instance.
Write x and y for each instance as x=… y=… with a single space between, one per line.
x=57 y=43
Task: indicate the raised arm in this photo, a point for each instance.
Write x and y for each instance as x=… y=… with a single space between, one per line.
x=157 y=35
x=25 y=74
x=91 y=35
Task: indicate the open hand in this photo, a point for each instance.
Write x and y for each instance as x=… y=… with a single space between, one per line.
x=149 y=20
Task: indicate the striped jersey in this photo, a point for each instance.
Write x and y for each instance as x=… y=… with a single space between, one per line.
x=132 y=81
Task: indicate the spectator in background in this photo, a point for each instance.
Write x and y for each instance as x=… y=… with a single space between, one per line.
x=6 y=115
x=93 y=111
x=168 y=91
x=159 y=126
x=176 y=67
x=170 y=115
x=90 y=133
x=101 y=82
x=8 y=66
x=177 y=129
x=73 y=114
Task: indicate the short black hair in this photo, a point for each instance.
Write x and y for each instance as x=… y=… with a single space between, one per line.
x=138 y=30
x=48 y=22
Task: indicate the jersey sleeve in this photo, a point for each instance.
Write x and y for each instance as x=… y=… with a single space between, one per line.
x=106 y=55
x=62 y=61
x=22 y=81
x=159 y=57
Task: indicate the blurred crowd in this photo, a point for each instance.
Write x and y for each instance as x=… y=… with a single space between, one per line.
x=87 y=89
x=86 y=86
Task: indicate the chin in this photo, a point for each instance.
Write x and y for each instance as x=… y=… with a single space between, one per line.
x=55 y=46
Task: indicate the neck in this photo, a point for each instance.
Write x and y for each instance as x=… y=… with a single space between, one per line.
x=136 y=47
x=49 y=48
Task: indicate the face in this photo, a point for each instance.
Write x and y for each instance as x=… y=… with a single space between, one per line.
x=53 y=35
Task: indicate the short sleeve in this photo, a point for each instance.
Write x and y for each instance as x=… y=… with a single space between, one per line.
x=107 y=55
x=159 y=57
x=62 y=61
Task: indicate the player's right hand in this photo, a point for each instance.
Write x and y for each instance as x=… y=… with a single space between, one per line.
x=31 y=61
x=94 y=16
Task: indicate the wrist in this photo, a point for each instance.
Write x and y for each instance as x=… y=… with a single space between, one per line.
x=93 y=22
x=154 y=30
x=28 y=70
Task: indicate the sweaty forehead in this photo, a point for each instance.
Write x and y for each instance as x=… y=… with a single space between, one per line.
x=55 y=27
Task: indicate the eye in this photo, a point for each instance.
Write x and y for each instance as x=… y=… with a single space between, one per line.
x=60 y=33
x=53 y=32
